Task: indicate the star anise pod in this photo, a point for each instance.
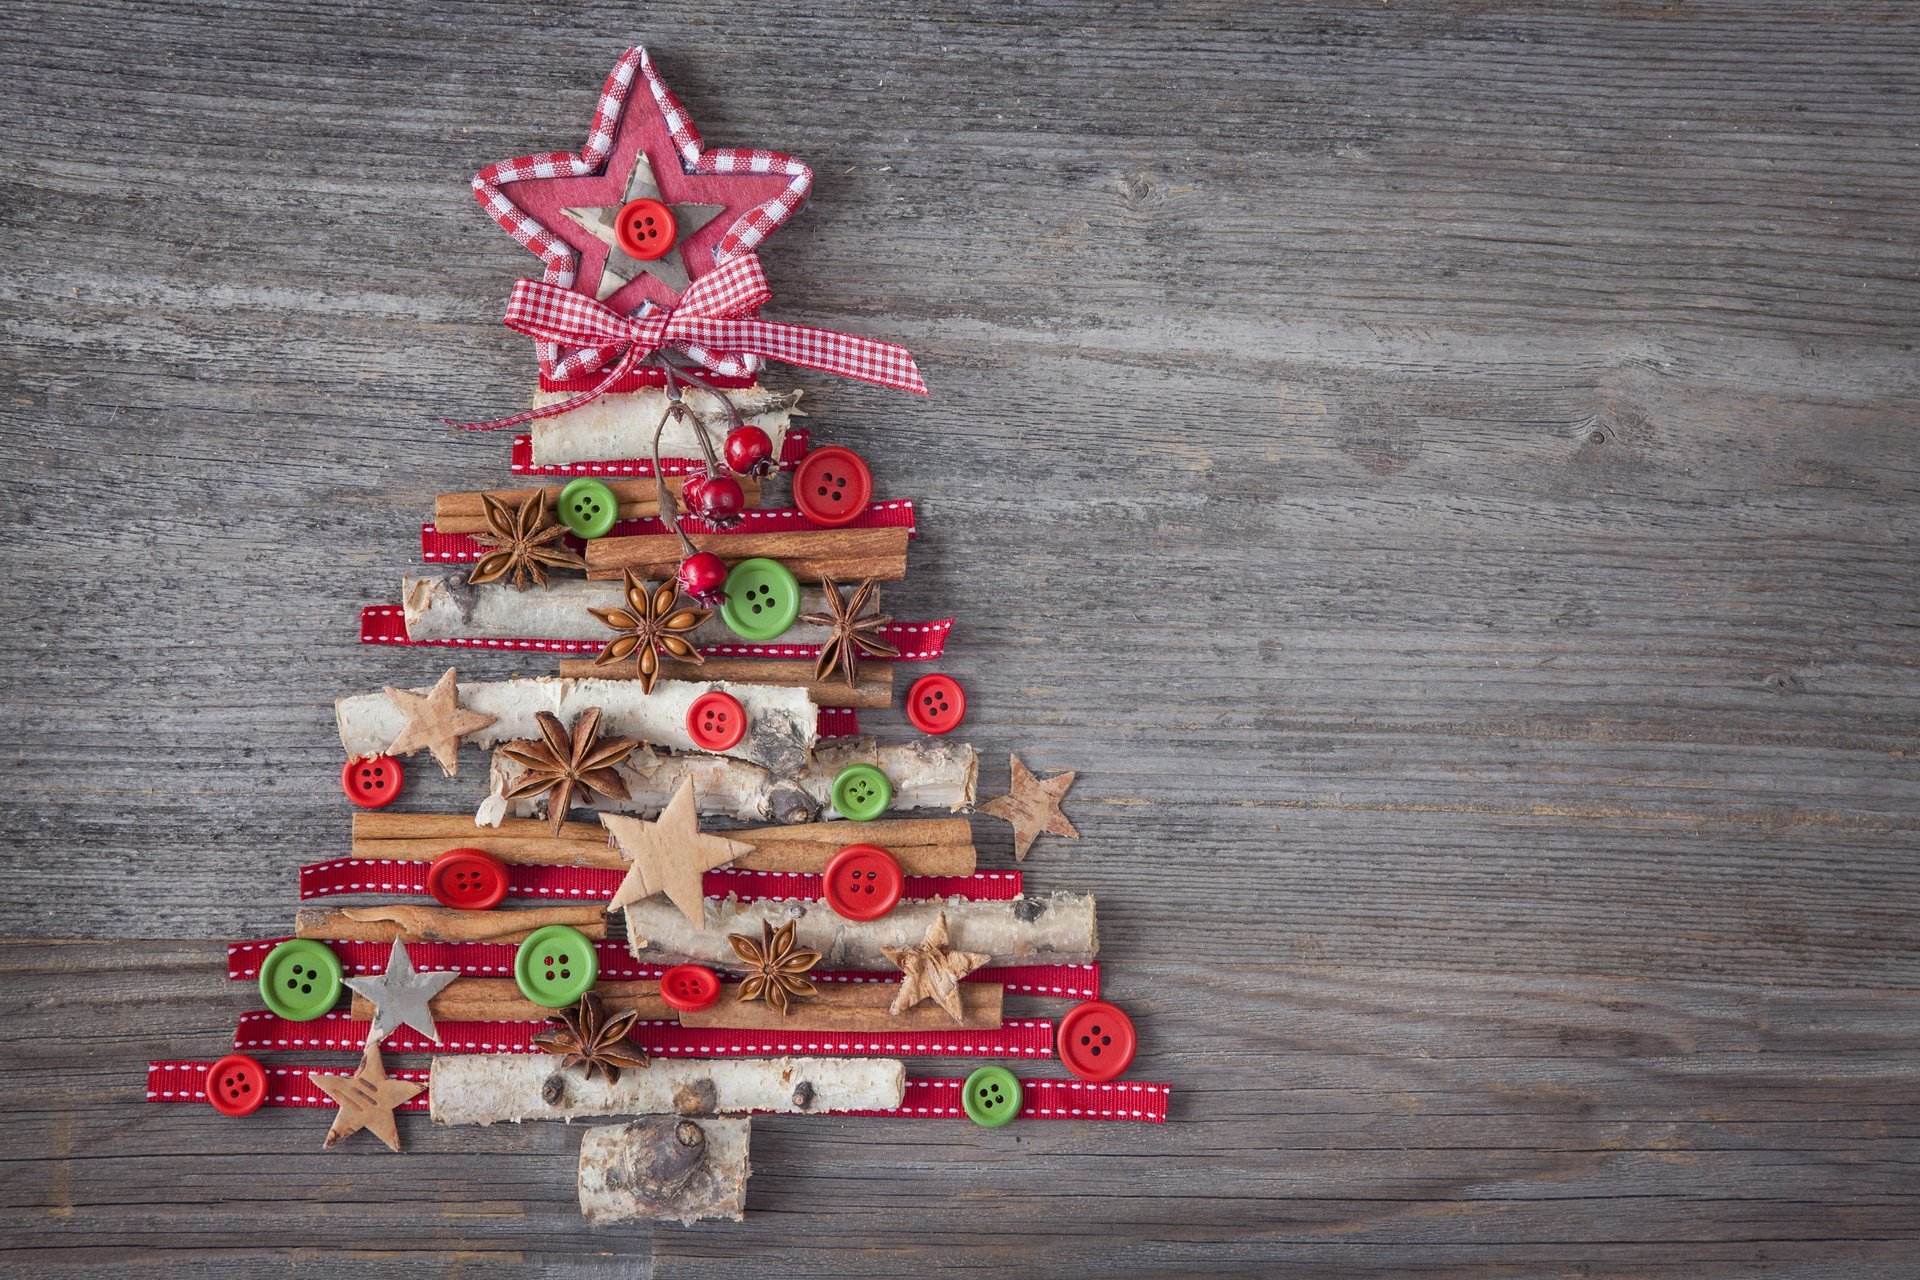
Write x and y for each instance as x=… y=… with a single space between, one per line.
x=852 y=632
x=651 y=625
x=589 y=1037
x=775 y=965
x=559 y=761
x=524 y=541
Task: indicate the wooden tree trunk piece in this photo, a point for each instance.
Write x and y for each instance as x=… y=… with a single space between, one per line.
x=638 y=499
x=926 y=773
x=872 y=688
x=620 y=425
x=845 y=555
x=405 y=922
x=665 y=1169
x=783 y=724
x=1056 y=928
x=487 y=1088
x=441 y=606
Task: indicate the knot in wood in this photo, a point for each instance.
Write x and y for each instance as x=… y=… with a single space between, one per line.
x=803 y=1095
x=553 y=1090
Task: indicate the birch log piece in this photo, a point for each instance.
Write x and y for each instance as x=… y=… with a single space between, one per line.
x=637 y=499
x=782 y=724
x=404 y=922
x=620 y=425
x=1055 y=928
x=845 y=555
x=873 y=687
x=926 y=773
x=441 y=606
x=837 y=1007
x=922 y=846
x=665 y=1170
x=487 y=1088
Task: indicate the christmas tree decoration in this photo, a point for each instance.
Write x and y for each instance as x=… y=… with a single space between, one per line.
x=400 y=996
x=1033 y=807
x=669 y=854
x=366 y=1100
x=932 y=970
x=435 y=721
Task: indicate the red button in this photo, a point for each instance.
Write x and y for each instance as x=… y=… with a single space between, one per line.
x=469 y=879
x=644 y=229
x=372 y=781
x=689 y=987
x=716 y=721
x=236 y=1085
x=936 y=704
x=863 y=882
x=832 y=486
x=1095 y=1041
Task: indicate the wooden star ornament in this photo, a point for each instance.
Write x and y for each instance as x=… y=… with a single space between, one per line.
x=932 y=971
x=435 y=721
x=670 y=855
x=366 y=1099
x=1033 y=806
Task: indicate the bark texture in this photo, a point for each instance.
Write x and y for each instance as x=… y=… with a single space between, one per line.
x=665 y=1169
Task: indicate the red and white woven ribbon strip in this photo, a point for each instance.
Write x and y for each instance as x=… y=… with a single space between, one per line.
x=916 y=641
x=1017 y=1038
x=380 y=875
x=793 y=448
x=742 y=237
x=461 y=548
x=175 y=1081
x=495 y=960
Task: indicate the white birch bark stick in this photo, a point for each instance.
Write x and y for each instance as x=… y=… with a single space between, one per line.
x=441 y=606
x=782 y=723
x=486 y=1088
x=926 y=773
x=621 y=424
x=1057 y=928
x=665 y=1170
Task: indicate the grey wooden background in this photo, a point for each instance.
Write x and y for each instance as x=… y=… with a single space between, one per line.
x=1446 y=474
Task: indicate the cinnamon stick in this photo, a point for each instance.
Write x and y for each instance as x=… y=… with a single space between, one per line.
x=845 y=555
x=407 y=923
x=499 y=1000
x=873 y=687
x=467 y=513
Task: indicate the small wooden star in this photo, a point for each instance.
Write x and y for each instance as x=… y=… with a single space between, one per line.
x=436 y=721
x=366 y=1099
x=1033 y=806
x=401 y=995
x=933 y=971
x=670 y=855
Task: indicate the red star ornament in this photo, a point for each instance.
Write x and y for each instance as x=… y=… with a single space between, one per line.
x=642 y=140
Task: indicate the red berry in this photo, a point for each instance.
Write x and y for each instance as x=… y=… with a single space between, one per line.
x=720 y=501
x=690 y=492
x=750 y=452
x=703 y=576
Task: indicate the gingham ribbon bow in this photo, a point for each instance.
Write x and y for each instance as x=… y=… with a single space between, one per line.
x=713 y=315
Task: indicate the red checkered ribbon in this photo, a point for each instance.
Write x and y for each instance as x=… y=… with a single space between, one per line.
x=715 y=312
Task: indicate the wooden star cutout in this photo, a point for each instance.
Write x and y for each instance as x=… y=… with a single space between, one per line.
x=436 y=721
x=1032 y=806
x=366 y=1099
x=401 y=995
x=933 y=971
x=670 y=855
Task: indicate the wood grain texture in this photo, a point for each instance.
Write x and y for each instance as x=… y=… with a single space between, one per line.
x=1444 y=474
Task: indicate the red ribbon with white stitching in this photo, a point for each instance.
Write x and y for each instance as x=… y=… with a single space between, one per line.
x=715 y=313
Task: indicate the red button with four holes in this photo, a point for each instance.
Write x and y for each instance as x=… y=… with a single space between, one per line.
x=832 y=486
x=936 y=704
x=716 y=721
x=372 y=781
x=863 y=882
x=689 y=987
x=236 y=1085
x=1095 y=1041
x=644 y=229
x=469 y=879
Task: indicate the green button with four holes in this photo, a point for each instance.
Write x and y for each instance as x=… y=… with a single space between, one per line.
x=861 y=792
x=588 y=507
x=555 y=966
x=300 y=979
x=991 y=1096
x=763 y=599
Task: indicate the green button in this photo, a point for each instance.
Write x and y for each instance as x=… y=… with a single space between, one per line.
x=861 y=792
x=991 y=1096
x=763 y=599
x=588 y=507
x=555 y=966
x=300 y=979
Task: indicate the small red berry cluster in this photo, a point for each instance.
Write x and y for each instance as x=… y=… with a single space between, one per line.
x=713 y=495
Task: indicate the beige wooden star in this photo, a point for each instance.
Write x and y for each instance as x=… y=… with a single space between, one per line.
x=670 y=855
x=1033 y=806
x=436 y=721
x=366 y=1099
x=932 y=971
